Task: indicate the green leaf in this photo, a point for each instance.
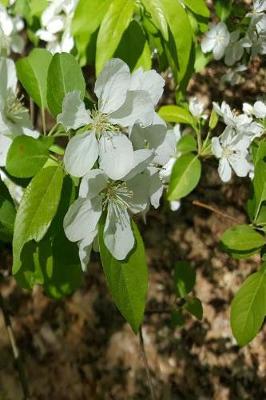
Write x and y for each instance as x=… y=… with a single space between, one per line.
x=26 y=156
x=223 y=8
x=7 y=214
x=187 y=144
x=185 y=176
x=54 y=261
x=83 y=27
x=198 y=7
x=156 y=10
x=242 y=238
x=259 y=184
x=248 y=308
x=32 y=72
x=115 y=22
x=132 y=45
x=181 y=30
x=194 y=306
x=37 y=210
x=176 y=114
x=64 y=75
x=213 y=120
x=177 y=318
x=185 y=278
x=127 y=280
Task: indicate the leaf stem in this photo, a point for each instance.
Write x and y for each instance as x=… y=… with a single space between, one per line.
x=43 y=121
x=146 y=364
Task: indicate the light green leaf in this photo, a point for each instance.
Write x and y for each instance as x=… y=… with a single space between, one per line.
x=26 y=156
x=181 y=29
x=248 y=308
x=223 y=8
x=83 y=27
x=32 y=72
x=185 y=176
x=198 y=7
x=37 y=210
x=64 y=75
x=157 y=12
x=185 y=278
x=194 y=306
x=127 y=280
x=176 y=114
x=114 y=24
x=187 y=144
x=7 y=214
x=259 y=184
x=242 y=238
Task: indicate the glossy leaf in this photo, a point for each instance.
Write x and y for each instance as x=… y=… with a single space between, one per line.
x=176 y=114
x=259 y=184
x=248 y=308
x=37 y=210
x=26 y=156
x=64 y=75
x=127 y=280
x=185 y=176
x=114 y=24
x=187 y=144
x=32 y=72
x=156 y=9
x=242 y=238
x=198 y=7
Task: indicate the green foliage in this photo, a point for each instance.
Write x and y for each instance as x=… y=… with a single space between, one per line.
x=26 y=156
x=242 y=239
x=248 y=308
x=198 y=7
x=176 y=114
x=223 y=8
x=7 y=214
x=185 y=176
x=156 y=9
x=32 y=72
x=127 y=280
x=37 y=210
x=194 y=307
x=54 y=261
x=114 y=23
x=185 y=278
x=64 y=76
x=187 y=144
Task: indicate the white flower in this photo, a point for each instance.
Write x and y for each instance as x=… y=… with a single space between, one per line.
x=233 y=76
x=10 y=39
x=231 y=119
x=196 y=107
x=232 y=151
x=258 y=110
x=121 y=104
x=216 y=40
x=14 y=118
x=97 y=194
x=56 y=23
x=173 y=137
x=235 y=50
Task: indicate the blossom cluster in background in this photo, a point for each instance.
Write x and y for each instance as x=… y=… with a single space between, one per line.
x=10 y=31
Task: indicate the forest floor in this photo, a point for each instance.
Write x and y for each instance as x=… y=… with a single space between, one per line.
x=81 y=348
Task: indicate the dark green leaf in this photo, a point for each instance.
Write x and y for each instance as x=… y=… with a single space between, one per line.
x=185 y=278
x=7 y=214
x=194 y=306
x=64 y=76
x=127 y=280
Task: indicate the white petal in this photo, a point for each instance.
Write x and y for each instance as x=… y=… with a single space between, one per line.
x=92 y=184
x=140 y=188
x=167 y=149
x=216 y=147
x=260 y=109
x=8 y=81
x=82 y=218
x=207 y=44
x=81 y=153
x=240 y=165
x=149 y=81
x=224 y=170
x=175 y=205
x=153 y=136
x=137 y=107
x=156 y=187
x=112 y=85
x=116 y=155
x=142 y=158
x=5 y=143
x=85 y=247
x=74 y=114
x=118 y=236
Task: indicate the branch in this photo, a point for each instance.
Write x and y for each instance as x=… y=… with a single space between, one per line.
x=215 y=210
x=17 y=360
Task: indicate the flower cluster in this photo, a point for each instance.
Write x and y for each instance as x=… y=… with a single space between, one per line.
x=56 y=25
x=14 y=117
x=232 y=146
x=10 y=28
x=121 y=150
x=233 y=45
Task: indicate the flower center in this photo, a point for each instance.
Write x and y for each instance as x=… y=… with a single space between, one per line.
x=118 y=194
x=14 y=109
x=227 y=152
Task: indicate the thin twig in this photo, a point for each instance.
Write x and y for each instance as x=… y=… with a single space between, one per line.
x=17 y=360
x=145 y=360
x=215 y=210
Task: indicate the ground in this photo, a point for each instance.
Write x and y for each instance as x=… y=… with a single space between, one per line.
x=81 y=348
